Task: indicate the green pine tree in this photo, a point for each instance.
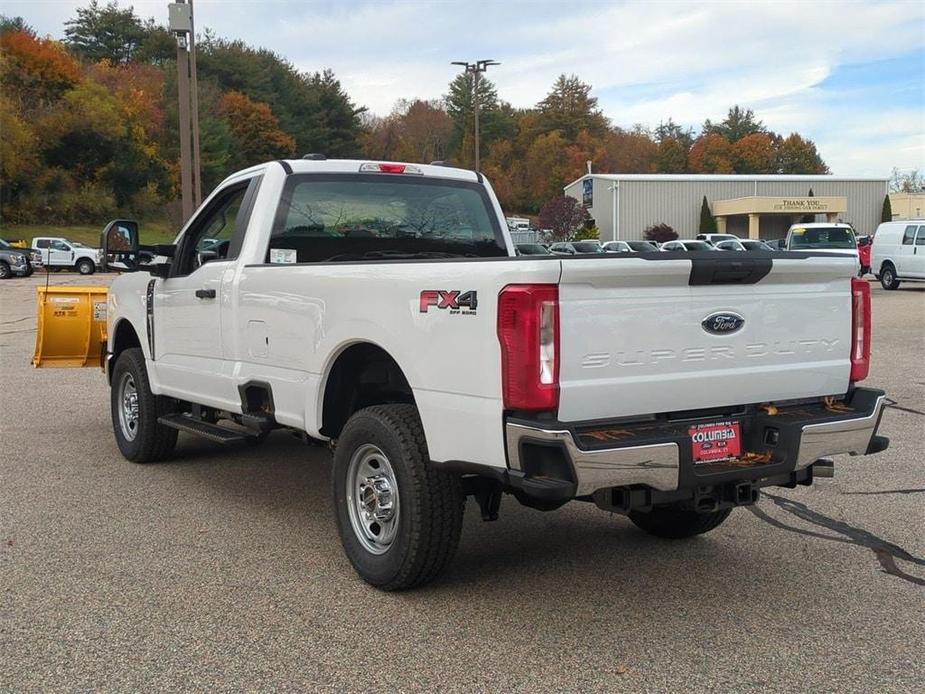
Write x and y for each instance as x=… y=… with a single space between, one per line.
x=707 y=223
x=887 y=214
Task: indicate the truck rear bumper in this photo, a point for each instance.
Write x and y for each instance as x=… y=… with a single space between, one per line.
x=657 y=454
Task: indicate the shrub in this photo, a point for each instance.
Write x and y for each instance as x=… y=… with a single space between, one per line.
x=591 y=233
x=660 y=233
x=707 y=223
x=562 y=215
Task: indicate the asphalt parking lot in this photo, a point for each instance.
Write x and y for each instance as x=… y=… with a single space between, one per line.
x=222 y=570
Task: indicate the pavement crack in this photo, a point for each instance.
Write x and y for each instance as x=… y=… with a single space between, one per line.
x=886 y=552
x=888 y=491
x=16 y=320
x=890 y=402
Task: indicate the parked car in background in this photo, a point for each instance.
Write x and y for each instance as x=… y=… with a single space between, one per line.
x=898 y=252
x=643 y=246
x=743 y=245
x=829 y=237
x=531 y=249
x=774 y=244
x=617 y=247
x=61 y=253
x=14 y=262
x=713 y=239
x=687 y=245
x=576 y=247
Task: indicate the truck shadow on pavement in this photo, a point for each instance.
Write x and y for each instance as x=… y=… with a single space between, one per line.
x=285 y=477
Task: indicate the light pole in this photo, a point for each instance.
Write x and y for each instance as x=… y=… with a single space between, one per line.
x=475 y=69
x=180 y=15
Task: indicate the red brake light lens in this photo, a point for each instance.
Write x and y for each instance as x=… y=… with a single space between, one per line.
x=528 y=330
x=860 y=329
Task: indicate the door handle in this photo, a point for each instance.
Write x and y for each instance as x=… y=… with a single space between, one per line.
x=205 y=293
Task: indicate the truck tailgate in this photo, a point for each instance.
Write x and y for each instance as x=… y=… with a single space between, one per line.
x=634 y=337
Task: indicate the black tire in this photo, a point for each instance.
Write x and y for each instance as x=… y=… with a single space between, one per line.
x=85 y=266
x=150 y=441
x=675 y=522
x=888 y=277
x=5 y=272
x=429 y=502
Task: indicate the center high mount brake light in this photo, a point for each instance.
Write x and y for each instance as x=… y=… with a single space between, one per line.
x=371 y=167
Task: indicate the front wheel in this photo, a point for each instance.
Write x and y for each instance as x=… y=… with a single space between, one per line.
x=5 y=272
x=676 y=522
x=888 y=277
x=398 y=517
x=85 y=266
x=135 y=410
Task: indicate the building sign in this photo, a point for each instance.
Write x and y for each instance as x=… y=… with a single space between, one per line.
x=810 y=205
x=587 y=192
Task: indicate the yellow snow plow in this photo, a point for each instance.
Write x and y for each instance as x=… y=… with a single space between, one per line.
x=71 y=330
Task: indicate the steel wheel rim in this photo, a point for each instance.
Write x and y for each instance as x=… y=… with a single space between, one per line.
x=372 y=499
x=128 y=407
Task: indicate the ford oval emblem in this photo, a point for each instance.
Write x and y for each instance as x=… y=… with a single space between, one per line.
x=724 y=323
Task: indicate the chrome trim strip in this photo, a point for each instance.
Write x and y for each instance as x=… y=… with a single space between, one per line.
x=655 y=465
x=845 y=436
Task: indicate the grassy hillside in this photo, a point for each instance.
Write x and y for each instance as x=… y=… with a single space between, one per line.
x=151 y=232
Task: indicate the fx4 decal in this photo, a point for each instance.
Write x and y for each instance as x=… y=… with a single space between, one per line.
x=452 y=299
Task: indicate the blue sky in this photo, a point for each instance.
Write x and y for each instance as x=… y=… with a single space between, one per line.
x=849 y=75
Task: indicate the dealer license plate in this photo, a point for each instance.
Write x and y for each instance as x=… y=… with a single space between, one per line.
x=715 y=442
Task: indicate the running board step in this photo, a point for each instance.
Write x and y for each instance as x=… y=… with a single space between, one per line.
x=207 y=430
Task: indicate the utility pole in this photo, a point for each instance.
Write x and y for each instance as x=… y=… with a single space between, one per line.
x=476 y=69
x=180 y=24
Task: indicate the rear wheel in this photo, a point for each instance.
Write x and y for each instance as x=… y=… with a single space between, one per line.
x=85 y=266
x=888 y=277
x=398 y=517
x=135 y=410
x=676 y=522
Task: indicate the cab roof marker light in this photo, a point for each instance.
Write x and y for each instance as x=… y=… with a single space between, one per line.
x=373 y=167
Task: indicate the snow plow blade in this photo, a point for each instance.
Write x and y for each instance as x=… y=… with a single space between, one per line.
x=71 y=329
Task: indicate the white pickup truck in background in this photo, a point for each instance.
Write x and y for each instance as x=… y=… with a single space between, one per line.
x=380 y=307
x=61 y=253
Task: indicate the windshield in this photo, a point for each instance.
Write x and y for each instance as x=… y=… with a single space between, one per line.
x=367 y=217
x=532 y=249
x=587 y=247
x=697 y=246
x=4 y=244
x=822 y=237
x=642 y=246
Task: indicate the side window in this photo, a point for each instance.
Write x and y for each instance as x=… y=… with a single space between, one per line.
x=60 y=246
x=218 y=231
x=909 y=235
x=42 y=243
x=920 y=239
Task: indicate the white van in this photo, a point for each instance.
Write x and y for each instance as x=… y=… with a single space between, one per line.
x=898 y=252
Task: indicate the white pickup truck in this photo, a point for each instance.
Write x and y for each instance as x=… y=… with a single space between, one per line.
x=59 y=253
x=380 y=307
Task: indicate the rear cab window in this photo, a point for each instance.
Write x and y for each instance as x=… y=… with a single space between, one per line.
x=812 y=238
x=355 y=217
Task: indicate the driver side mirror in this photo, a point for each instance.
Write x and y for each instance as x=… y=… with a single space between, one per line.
x=119 y=242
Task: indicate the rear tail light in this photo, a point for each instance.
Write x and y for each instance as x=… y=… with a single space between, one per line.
x=386 y=167
x=860 y=329
x=528 y=330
